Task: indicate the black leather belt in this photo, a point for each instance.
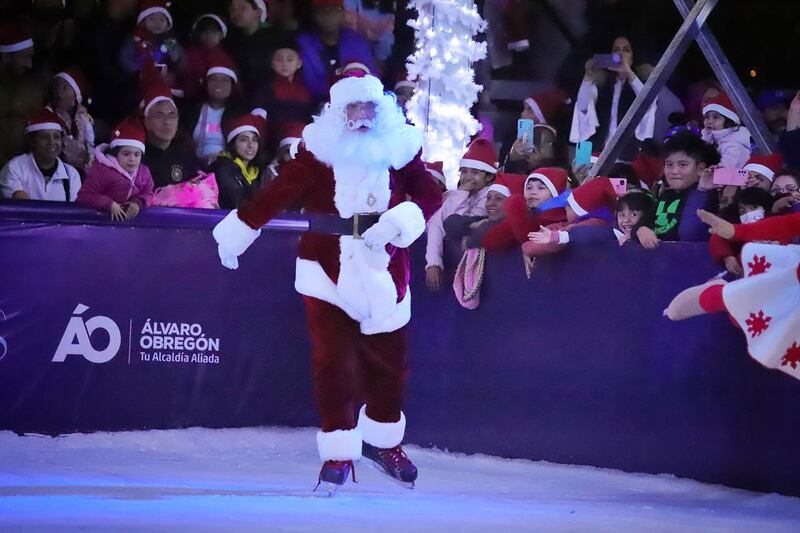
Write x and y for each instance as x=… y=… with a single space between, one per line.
x=333 y=225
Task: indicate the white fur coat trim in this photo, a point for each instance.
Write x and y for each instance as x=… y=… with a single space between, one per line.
x=407 y=217
x=381 y=434
x=339 y=445
x=311 y=280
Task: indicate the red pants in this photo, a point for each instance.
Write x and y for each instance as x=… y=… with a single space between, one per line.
x=349 y=366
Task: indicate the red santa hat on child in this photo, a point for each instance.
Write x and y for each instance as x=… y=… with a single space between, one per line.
x=15 y=36
x=356 y=89
x=44 y=120
x=221 y=63
x=75 y=79
x=403 y=81
x=154 y=90
x=722 y=105
x=291 y=136
x=354 y=68
x=436 y=169
x=151 y=7
x=766 y=165
x=480 y=155
x=129 y=132
x=546 y=106
x=255 y=122
x=215 y=18
x=554 y=178
x=592 y=195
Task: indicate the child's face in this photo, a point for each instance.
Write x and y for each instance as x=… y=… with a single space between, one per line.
x=210 y=38
x=757 y=179
x=627 y=218
x=219 y=86
x=129 y=158
x=472 y=179
x=246 y=145
x=750 y=213
x=681 y=171
x=63 y=93
x=536 y=193
x=157 y=23
x=286 y=62
x=713 y=121
x=494 y=205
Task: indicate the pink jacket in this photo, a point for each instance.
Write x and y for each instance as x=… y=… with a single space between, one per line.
x=455 y=203
x=107 y=182
x=733 y=145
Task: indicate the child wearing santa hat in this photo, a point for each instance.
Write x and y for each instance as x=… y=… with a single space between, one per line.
x=69 y=96
x=477 y=170
x=238 y=169
x=152 y=43
x=723 y=128
x=762 y=169
x=117 y=181
x=208 y=31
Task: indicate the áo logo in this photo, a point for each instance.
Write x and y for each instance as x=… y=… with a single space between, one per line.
x=77 y=338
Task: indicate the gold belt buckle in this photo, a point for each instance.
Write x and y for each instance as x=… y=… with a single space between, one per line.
x=356 y=235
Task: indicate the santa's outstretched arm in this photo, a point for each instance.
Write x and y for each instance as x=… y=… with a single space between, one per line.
x=421 y=188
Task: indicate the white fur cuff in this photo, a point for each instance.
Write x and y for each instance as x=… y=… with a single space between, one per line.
x=381 y=434
x=339 y=445
x=407 y=217
x=234 y=235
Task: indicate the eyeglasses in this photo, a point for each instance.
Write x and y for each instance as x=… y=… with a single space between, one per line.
x=783 y=190
x=361 y=106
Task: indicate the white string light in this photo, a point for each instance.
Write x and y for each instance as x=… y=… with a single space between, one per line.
x=445 y=33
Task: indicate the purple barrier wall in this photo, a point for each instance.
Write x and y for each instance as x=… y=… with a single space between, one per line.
x=575 y=365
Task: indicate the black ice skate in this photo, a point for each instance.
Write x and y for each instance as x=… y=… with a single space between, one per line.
x=392 y=461
x=334 y=474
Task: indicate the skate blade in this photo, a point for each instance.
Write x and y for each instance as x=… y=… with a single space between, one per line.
x=405 y=484
x=328 y=489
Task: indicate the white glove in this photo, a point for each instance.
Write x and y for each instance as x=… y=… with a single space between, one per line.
x=229 y=260
x=378 y=236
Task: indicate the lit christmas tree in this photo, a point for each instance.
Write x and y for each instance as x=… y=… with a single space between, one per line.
x=445 y=33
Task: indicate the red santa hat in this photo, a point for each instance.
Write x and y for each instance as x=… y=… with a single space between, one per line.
x=262 y=7
x=151 y=7
x=766 y=165
x=648 y=169
x=355 y=67
x=291 y=132
x=480 y=155
x=255 y=122
x=215 y=18
x=403 y=81
x=45 y=119
x=154 y=90
x=436 y=169
x=356 y=89
x=500 y=188
x=75 y=79
x=129 y=132
x=15 y=36
x=592 y=195
x=554 y=178
x=722 y=105
x=546 y=105
x=221 y=63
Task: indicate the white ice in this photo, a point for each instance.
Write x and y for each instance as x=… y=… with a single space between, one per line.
x=261 y=479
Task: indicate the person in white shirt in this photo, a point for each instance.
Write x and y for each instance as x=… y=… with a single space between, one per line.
x=40 y=174
x=604 y=98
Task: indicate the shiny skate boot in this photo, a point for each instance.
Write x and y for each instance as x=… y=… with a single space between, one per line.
x=334 y=474
x=392 y=461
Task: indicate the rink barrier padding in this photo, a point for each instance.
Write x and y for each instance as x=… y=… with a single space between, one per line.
x=575 y=365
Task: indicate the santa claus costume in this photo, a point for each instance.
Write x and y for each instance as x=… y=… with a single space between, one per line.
x=765 y=303
x=358 y=168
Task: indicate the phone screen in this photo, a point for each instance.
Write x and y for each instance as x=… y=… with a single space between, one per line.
x=525 y=131
x=583 y=153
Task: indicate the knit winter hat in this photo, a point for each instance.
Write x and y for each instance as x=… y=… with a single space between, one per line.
x=722 y=105
x=254 y=122
x=215 y=18
x=151 y=7
x=75 y=79
x=480 y=155
x=221 y=63
x=356 y=89
x=45 y=119
x=554 y=178
x=766 y=165
x=15 y=36
x=129 y=132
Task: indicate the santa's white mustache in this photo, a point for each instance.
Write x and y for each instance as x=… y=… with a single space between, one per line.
x=355 y=124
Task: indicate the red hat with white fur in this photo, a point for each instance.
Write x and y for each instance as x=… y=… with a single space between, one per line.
x=75 y=79
x=480 y=155
x=722 y=105
x=546 y=105
x=15 y=36
x=355 y=67
x=129 y=132
x=45 y=120
x=592 y=195
x=221 y=63
x=151 y=7
x=254 y=122
x=554 y=178
x=154 y=90
x=436 y=169
x=766 y=165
